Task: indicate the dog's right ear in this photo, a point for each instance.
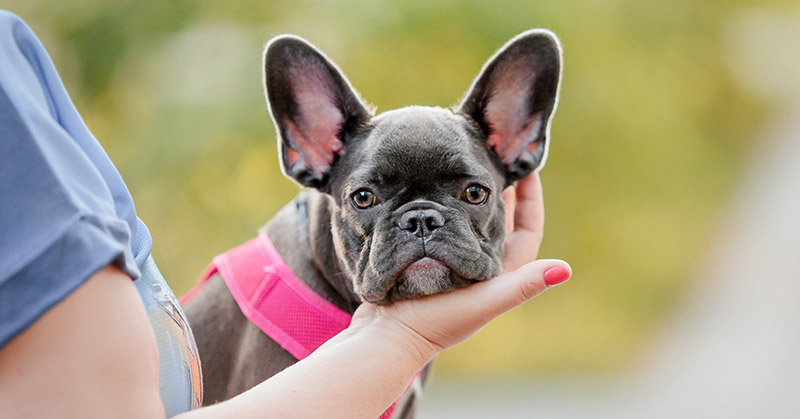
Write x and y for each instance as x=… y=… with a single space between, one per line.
x=313 y=107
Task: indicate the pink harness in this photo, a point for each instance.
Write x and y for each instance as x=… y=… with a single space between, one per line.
x=272 y=297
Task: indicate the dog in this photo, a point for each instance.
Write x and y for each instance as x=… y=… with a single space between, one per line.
x=399 y=205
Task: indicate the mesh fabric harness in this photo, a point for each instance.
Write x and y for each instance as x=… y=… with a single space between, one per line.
x=272 y=297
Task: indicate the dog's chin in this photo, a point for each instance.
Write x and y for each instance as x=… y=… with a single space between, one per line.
x=425 y=276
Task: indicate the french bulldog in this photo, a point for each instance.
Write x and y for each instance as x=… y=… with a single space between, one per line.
x=397 y=205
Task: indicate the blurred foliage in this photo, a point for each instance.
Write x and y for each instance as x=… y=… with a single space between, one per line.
x=646 y=147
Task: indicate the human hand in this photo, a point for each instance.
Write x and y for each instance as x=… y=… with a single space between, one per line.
x=433 y=323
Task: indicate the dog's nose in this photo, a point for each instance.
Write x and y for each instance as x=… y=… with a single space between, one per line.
x=421 y=222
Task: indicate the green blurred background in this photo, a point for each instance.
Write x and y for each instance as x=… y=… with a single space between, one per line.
x=647 y=143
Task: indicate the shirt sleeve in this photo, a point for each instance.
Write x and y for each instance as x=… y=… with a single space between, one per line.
x=64 y=211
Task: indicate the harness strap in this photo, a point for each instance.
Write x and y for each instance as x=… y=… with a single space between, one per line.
x=272 y=297
x=279 y=303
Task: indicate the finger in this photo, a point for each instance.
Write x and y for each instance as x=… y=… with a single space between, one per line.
x=529 y=211
x=444 y=320
x=510 y=202
x=514 y=288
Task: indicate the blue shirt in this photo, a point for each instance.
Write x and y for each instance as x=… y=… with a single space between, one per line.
x=63 y=206
x=65 y=212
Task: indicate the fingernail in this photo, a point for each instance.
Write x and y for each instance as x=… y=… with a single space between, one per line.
x=555 y=276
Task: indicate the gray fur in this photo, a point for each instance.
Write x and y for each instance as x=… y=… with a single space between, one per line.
x=422 y=236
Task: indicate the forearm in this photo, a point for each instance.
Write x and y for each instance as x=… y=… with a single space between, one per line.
x=337 y=381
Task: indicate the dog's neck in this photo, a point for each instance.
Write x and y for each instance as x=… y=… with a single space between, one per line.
x=305 y=224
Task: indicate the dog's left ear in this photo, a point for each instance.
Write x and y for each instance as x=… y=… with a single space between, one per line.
x=313 y=107
x=514 y=98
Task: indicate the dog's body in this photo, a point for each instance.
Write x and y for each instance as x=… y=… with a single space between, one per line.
x=236 y=355
x=403 y=204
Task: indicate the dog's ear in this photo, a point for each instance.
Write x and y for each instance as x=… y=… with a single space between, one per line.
x=514 y=98
x=313 y=107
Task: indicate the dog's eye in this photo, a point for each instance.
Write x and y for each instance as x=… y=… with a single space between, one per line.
x=475 y=194
x=364 y=198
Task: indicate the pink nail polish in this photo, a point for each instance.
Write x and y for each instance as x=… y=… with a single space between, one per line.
x=555 y=276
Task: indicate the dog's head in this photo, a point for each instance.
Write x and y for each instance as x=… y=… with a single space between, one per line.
x=415 y=192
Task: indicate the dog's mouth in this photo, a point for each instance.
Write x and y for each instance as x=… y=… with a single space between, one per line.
x=424 y=276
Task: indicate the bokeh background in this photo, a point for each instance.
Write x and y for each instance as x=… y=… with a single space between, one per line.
x=655 y=125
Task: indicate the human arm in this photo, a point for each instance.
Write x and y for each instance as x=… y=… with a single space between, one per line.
x=94 y=354
x=91 y=355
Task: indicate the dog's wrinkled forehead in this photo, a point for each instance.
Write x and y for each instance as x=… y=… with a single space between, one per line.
x=419 y=145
